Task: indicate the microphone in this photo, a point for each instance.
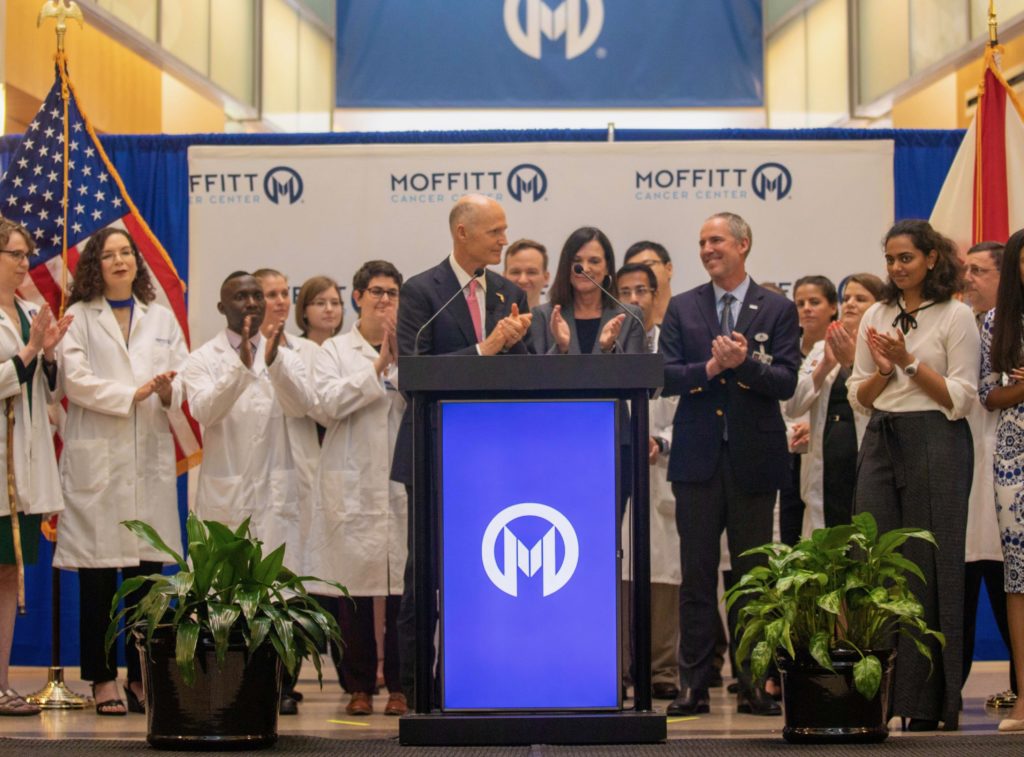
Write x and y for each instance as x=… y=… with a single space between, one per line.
x=416 y=345
x=579 y=271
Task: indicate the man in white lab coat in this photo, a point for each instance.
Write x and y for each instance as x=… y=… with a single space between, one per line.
x=240 y=387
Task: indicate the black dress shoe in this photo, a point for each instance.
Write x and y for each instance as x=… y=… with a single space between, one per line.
x=288 y=706
x=756 y=702
x=690 y=702
x=664 y=690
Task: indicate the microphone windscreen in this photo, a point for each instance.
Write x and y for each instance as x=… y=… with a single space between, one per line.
x=478 y=273
x=577 y=268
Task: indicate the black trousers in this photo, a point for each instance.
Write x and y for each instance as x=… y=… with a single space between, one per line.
x=96 y=589
x=357 y=668
x=791 y=507
x=703 y=510
x=991 y=572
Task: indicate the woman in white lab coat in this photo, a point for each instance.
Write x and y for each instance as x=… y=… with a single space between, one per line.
x=119 y=365
x=27 y=379
x=360 y=517
x=834 y=430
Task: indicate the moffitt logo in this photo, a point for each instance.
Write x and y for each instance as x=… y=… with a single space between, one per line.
x=526 y=182
x=771 y=179
x=768 y=181
x=516 y=556
x=565 y=20
x=283 y=183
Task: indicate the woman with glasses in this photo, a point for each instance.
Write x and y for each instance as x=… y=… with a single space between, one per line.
x=360 y=539
x=28 y=378
x=120 y=362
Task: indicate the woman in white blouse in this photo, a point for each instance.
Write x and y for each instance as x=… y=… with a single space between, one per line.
x=916 y=370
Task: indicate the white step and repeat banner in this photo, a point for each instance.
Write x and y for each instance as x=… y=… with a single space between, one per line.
x=816 y=207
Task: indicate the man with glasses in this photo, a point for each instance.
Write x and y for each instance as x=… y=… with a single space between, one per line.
x=655 y=257
x=984 y=554
x=638 y=286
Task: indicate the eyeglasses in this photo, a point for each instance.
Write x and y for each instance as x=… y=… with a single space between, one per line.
x=326 y=303
x=18 y=255
x=378 y=293
x=977 y=271
x=639 y=291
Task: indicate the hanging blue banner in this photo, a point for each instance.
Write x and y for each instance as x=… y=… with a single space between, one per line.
x=549 y=53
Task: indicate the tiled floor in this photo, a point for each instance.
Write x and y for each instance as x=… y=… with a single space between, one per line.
x=323 y=713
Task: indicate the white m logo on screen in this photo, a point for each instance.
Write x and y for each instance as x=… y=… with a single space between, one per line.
x=565 y=20
x=541 y=556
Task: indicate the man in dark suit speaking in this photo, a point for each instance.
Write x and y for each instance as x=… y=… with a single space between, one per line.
x=491 y=317
x=731 y=353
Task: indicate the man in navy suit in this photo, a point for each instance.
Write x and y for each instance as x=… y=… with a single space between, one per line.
x=491 y=318
x=731 y=353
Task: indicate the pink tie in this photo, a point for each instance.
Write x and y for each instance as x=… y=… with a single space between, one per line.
x=474 y=309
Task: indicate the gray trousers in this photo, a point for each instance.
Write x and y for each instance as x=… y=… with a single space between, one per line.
x=915 y=471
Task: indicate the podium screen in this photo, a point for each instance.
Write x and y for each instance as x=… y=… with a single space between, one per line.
x=529 y=572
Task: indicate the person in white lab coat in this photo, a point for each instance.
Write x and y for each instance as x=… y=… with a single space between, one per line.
x=241 y=387
x=834 y=429
x=28 y=375
x=119 y=364
x=306 y=433
x=359 y=537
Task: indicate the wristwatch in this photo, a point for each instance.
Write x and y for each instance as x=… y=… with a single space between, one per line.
x=911 y=370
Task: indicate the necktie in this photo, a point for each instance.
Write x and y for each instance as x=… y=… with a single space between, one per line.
x=474 y=309
x=727 y=321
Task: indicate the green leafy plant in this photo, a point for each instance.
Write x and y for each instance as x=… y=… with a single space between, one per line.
x=844 y=588
x=226 y=586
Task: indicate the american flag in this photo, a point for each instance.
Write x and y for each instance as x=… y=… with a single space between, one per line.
x=32 y=193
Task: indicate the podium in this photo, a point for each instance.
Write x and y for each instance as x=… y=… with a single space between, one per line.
x=518 y=467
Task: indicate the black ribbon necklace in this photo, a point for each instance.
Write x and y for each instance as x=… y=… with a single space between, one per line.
x=905 y=319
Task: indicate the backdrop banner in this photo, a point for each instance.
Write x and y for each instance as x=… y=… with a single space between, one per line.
x=816 y=207
x=549 y=53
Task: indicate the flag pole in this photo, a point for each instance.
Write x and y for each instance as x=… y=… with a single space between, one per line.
x=993 y=24
x=55 y=695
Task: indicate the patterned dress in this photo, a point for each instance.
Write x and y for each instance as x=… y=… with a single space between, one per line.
x=1008 y=467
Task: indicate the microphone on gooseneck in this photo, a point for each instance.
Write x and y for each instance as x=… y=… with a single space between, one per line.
x=416 y=345
x=579 y=271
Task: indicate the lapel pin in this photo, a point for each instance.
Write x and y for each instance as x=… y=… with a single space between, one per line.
x=500 y=296
x=752 y=307
x=760 y=336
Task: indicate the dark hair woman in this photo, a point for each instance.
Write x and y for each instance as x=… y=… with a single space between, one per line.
x=916 y=371
x=1002 y=355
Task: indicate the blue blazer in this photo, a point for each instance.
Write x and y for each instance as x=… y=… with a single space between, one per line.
x=746 y=399
x=450 y=334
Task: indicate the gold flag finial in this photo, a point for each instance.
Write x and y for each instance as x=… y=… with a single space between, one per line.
x=993 y=25
x=58 y=10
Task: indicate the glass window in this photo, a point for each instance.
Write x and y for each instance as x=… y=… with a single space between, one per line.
x=280 y=64
x=140 y=15
x=1005 y=10
x=776 y=9
x=316 y=66
x=786 y=76
x=828 y=79
x=937 y=28
x=233 y=47
x=883 y=42
x=185 y=32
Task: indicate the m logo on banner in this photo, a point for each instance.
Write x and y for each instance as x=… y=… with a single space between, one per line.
x=771 y=179
x=527 y=180
x=565 y=20
x=283 y=183
x=541 y=556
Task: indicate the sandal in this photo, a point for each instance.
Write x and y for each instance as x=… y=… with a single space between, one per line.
x=134 y=703
x=110 y=707
x=13 y=704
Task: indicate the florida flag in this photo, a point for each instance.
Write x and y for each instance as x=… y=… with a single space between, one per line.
x=983 y=195
x=60 y=156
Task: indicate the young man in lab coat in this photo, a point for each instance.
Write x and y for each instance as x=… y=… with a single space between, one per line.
x=240 y=387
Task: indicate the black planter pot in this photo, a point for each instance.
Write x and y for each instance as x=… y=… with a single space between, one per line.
x=230 y=706
x=825 y=707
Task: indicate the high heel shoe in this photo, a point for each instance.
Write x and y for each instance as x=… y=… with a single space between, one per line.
x=1008 y=725
x=134 y=703
x=109 y=707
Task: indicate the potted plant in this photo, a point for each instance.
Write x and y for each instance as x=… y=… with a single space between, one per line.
x=828 y=610
x=215 y=635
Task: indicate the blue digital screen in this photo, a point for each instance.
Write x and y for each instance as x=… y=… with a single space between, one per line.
x=529 y=572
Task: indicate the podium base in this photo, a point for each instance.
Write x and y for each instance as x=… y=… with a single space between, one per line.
x=461 y=729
